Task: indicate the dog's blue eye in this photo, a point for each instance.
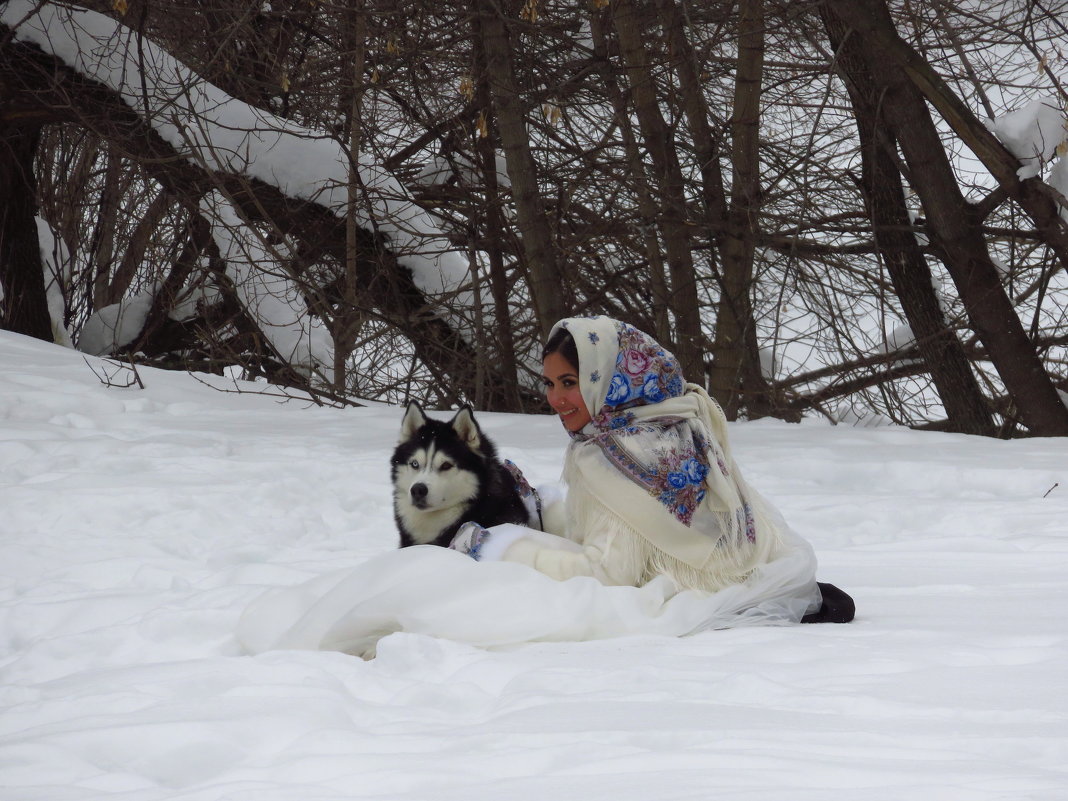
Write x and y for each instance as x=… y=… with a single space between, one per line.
x=414 y=463
x=445 y=466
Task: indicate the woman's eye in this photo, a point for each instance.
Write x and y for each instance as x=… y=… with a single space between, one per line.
x=445 y=466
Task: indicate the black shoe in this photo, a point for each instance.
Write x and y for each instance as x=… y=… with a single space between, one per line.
x=837 y=606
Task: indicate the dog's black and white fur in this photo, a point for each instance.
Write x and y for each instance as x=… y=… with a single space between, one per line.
x=445 y=474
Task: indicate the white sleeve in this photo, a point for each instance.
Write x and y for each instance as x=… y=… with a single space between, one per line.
x=608 y=551
x=502 y=536
x=553 y=509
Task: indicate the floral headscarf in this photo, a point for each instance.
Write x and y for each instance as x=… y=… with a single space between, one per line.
x=653 y=427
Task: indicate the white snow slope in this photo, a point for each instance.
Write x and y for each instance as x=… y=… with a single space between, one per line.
x=138 y=524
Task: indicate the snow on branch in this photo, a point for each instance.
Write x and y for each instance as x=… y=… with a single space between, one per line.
x=210 y=128
x=1033 y=133
x=267 y=292
x=55 y=262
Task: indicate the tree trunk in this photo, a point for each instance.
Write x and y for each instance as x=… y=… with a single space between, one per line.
x=956 y=229
x=347 y=315
x=102 y=250
x=737 y=381
x=647 y=207
x=24 y=307
x=950 y=371
x=547 y=280
x=508 y=395
x=630 y=31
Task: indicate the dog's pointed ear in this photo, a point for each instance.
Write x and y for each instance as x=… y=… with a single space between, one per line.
x=414 y=419
x=466 y=428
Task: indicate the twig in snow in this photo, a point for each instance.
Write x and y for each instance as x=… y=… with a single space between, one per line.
x=108 y=379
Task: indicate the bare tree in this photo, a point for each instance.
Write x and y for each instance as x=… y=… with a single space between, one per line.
x=547 y=281
x=736 y=371
x=957 y=232
x=629 y=25
x=942 y=352
x=747 y=181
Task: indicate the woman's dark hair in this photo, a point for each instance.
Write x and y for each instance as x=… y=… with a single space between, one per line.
x=563 y=343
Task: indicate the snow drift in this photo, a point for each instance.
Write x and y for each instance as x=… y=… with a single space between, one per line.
x=139 y=524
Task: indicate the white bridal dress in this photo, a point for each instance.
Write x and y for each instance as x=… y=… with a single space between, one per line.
x=442 y=593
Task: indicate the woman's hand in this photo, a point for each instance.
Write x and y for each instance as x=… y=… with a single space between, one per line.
x=469 y=539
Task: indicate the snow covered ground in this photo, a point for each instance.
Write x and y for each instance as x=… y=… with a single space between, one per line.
x=138 y=524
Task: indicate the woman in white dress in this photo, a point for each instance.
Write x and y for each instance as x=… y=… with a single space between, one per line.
x=657 y=532
x=651 y=486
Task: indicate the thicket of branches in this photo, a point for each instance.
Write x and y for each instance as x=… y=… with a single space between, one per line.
x=800 y=198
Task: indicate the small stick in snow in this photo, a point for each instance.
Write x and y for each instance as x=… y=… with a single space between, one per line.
x=137 y=375
x=108 y=380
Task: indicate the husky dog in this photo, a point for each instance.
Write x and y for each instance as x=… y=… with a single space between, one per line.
x=445 y=474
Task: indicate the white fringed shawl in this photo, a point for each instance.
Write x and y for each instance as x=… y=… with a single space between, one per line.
x=657 y=454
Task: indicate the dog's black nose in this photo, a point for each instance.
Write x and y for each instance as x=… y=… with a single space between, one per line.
x=418 y=492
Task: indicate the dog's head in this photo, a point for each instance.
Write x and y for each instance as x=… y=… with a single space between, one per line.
x=437 y=465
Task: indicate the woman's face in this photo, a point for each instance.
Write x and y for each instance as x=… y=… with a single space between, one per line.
x=562 y=391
